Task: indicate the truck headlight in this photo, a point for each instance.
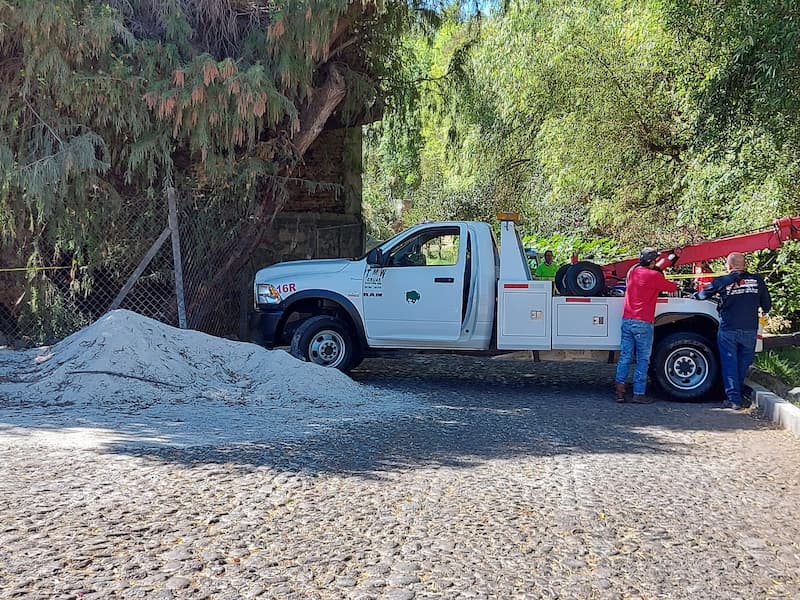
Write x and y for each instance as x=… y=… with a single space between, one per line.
x=267 y=293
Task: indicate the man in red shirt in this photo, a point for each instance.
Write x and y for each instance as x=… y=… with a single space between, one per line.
x=644 y=282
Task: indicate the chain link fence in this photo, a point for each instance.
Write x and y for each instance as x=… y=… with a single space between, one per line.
x=57 y=289
x=131 y=264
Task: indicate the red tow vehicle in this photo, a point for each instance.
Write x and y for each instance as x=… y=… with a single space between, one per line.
x=585 y=278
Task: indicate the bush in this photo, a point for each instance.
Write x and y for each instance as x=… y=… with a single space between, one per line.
x=600 y=250
x=781 y=270
x=783 y=364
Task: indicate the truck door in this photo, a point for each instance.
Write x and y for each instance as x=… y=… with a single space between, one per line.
x=416 y=298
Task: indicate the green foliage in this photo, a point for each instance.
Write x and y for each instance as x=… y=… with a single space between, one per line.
x=781 y=270
x=648 y=122
x=565 y=113
x=95 y=107
x=783 y=364
x=53 y=316
x=753 y=54
x=107 y=101
x=104 y=104
x=602 y=250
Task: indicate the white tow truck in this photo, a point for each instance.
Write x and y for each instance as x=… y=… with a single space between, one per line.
x=446 y=286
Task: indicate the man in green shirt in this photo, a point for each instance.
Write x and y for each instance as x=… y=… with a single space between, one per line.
x=546 y=269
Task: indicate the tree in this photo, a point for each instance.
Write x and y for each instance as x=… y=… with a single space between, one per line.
x=574 y=113
x=103 y=104
x=748 y=109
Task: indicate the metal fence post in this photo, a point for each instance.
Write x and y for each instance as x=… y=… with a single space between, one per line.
x=176 y=256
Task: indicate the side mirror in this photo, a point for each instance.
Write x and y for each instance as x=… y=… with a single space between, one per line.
x=375 y=258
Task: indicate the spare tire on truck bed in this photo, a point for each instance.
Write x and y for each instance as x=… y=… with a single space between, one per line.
x=585 y=278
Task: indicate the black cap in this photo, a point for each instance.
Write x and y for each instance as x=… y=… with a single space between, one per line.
x=648 y=255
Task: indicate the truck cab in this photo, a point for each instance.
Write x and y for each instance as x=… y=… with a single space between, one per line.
x=447 y=286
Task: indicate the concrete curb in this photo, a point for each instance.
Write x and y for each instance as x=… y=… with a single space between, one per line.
x=780 y=411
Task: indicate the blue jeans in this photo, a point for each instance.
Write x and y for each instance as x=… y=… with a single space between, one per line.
x=637 y=340
x=736 y=350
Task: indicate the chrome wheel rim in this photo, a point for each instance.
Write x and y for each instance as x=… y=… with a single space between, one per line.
x=586 y=280
x=686 y=368
x=327 y=348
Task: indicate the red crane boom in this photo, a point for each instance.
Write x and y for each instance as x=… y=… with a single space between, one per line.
x=782 y=230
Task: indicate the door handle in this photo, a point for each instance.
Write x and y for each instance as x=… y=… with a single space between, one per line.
x=443 y=280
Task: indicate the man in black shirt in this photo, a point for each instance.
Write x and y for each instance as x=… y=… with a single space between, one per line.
x=741 y=294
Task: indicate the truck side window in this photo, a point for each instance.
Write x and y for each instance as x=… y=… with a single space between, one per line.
x=438 y=247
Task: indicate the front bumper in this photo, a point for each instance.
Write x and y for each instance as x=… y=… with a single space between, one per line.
x=266 y=320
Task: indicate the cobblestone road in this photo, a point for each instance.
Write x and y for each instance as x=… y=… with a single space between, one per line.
x=518 y=480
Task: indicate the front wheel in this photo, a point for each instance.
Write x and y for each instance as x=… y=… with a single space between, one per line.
x=686 y=366
x=326 y=341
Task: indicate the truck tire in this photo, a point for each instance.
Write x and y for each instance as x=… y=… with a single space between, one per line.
x=585 y=278
x=686 y=366
x=560 y=281
x=326 y=341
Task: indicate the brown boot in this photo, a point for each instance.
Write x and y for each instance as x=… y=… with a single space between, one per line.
x=642 y=400
x=619 y=392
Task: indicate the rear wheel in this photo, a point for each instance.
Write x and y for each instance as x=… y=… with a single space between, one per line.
x=585 y=278
x=686 y=366
x=328 y=342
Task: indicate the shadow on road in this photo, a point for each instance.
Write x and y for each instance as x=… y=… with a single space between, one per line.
x=468 y=410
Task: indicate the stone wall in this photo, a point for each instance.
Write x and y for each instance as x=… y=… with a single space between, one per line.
x=329 y=180
x=321 y=219
x=302 y=235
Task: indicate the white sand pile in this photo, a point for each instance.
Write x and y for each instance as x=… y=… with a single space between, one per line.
x=208 y=389
x=127 y=358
